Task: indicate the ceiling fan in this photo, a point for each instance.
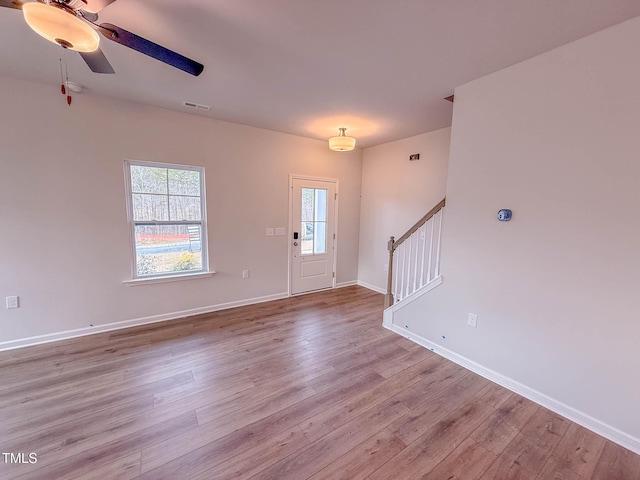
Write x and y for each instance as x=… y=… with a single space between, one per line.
x=72 y=24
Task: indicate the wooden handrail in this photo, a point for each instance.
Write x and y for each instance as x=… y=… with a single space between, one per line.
x=419 y=223
x=393 y=244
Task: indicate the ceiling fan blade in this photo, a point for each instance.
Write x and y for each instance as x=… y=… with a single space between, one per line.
x=151 y=49
x=94 y=6
x=11 y=4
x=97 y=62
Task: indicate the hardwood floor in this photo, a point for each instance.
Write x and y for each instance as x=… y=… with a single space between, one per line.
x=306 y=387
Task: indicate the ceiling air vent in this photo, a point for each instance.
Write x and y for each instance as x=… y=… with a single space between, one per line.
x=197 y=106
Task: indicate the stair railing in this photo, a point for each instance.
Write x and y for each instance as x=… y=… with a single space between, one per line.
x=414 y=259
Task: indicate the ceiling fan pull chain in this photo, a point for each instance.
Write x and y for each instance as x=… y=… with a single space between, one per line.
x=66 y=70
x=63 y=90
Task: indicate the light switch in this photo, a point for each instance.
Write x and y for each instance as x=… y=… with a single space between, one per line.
x=269 y=232
x=13 y=302
x=280 y=231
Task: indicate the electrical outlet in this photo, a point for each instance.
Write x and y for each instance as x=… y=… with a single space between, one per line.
x=13 y=302
x=245 y=273
x=472 y=320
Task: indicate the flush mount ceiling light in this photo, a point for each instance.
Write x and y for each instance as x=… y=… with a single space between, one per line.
x=342 y=143
x=60 y=27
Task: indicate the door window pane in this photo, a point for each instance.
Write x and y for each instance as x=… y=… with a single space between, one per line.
x=308 y=198
x=321 y=205
x=320 y=243
x=314 y=221
x=306 y=243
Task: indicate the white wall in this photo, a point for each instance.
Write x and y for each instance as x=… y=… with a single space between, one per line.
x=64 y=239
x=396 y=193
x=556 y=139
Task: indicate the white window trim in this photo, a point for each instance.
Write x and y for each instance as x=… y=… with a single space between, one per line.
x=169 y=276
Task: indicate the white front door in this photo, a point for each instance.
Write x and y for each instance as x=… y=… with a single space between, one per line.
x=312 y=237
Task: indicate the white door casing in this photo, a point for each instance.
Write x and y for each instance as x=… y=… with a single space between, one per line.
x=313 y=221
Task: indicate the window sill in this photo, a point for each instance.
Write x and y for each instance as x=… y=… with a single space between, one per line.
x=169 y=278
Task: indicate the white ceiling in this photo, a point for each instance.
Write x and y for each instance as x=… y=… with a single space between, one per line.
x=378 y=67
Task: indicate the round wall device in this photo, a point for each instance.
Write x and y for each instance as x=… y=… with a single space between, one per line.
x=504 y=215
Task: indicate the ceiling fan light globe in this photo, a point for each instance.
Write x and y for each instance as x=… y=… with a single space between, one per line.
x=60 y=27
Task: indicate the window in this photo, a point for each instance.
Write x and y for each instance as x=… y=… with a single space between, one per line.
x=166 y=210
x=314 y=221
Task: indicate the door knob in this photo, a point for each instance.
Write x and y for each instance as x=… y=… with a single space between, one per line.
x=295 y=244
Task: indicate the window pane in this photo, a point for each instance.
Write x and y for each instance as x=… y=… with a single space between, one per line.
x=167 y=249
x=148 y=179
x=307 y=204
x=320 y=243
x=321 y=205
x=150 y=207
x=184 y=182
x=184 y=208
x=195 y=237
x=306 y=244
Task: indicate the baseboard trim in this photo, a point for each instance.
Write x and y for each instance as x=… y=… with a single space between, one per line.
x=81 y=332
x=371 y=287
x=346 y=284
x=587 y=421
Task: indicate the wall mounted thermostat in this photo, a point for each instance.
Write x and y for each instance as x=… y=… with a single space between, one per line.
x=504 y=215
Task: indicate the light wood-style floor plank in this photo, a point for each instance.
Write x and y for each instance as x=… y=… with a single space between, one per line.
x=579 y=450
x=309 y=387
x=363 y=459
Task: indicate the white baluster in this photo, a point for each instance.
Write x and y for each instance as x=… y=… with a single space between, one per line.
x=423 y=237
x=402 y=276
x=437 y=273
x=408 y=267
x=430 y=250
x=415 y=268
x=396 y=272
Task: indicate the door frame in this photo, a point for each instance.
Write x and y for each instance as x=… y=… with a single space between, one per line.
x=335 y=181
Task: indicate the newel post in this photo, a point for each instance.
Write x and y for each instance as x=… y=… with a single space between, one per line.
x=388 y=298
